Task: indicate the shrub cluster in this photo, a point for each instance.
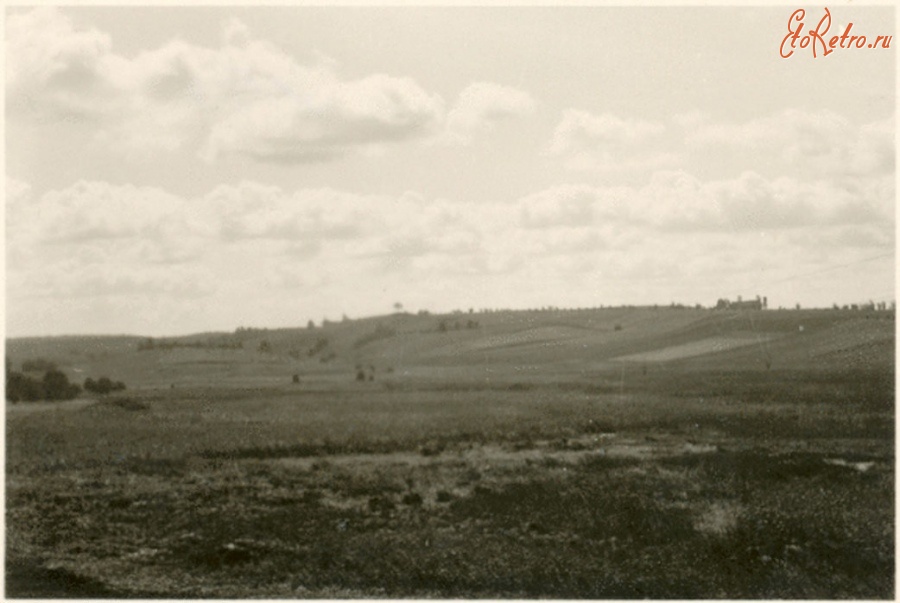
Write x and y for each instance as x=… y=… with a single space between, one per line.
x=103 y=385
x=54 y=385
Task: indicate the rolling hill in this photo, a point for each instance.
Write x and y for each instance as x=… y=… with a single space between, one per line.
x=503 y=346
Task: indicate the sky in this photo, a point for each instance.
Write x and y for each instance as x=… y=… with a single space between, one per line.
x=174 y=170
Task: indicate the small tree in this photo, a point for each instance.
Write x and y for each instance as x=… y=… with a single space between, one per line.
x=20 y=387
x=57 y=387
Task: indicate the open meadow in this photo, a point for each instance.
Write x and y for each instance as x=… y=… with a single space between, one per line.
x=608 y=453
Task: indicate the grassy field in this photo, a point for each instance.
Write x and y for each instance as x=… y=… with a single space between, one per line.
x=521 y=458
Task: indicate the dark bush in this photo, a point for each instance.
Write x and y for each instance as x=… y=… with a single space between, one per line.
x=53 y=386
x=103 y=386
x=20 y=388
x=412 y=498
x=57 y=387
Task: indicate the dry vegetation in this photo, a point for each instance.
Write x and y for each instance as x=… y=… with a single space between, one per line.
x=703 y=477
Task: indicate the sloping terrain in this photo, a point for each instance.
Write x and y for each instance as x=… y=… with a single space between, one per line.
x=611 y=453
x=509 y=345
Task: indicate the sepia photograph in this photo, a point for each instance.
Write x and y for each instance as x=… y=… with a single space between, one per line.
x=421 y=301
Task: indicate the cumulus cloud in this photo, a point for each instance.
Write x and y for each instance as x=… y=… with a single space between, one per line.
x=561 y=206
x=482 y=105
x=676 y=201
x=298 y=126
x=812 y=145
x=580 y=130
x=96 y=222
x=816 y=143
x=605 y=142
x=58 y=71
x=273 y=248
x=679 y=202
x=246 y=97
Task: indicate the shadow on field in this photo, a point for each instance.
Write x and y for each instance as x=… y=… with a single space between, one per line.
x=28 y=579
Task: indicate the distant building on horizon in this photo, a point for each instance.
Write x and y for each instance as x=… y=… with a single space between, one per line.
x=760 y=303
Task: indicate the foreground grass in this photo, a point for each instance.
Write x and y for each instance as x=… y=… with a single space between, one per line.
x=715 y=485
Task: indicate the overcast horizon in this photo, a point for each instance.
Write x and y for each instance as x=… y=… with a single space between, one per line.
x=176 y=170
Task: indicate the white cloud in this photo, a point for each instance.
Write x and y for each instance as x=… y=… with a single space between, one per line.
x=482 y=105
x=59 y=71
x=560 y=206
x=275 y=250
x=606 y=142
x=581 y=131
x=810 y=145
x=819 y=144
x=245 y=97
x=235 y=33
x=300 y=127
x=675 y=201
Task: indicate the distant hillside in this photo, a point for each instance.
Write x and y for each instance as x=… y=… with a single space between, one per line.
x=511 y=345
